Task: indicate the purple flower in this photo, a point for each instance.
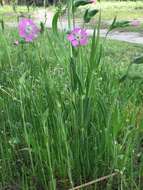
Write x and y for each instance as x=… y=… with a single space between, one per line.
x=135 y=23
x=78 y=37
x=28 y=30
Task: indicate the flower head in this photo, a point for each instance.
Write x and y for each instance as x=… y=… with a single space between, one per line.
x=28 y=30
x=78 y=37
x=135 y=23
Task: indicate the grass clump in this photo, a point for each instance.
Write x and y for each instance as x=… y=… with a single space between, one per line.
x=65 y=117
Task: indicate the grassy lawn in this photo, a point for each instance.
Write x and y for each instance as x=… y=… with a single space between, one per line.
x=122 y=57
x=52 y=134
x=123 y=10
x=11 y=14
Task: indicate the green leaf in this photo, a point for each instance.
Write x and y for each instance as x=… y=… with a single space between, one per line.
x=79 y=3
x=55 y=22
x=75 y=81
x=122 y=24
x=93 y=12
x=92 y=58
x=85 y=17
x=123 y=78
x=112 y=25
x=118 y=24
x=138 y=60
x=42 y=27
x=89 y=14
x=2 y=24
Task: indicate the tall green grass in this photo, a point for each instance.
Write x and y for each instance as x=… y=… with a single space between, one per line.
x=65 y=119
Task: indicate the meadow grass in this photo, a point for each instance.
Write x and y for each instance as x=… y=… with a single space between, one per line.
x=57 y=133
x=123 y=10
x=9 y=13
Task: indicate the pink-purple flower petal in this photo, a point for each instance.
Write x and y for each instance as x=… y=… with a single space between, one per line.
x=75 y=43
x=70 y=37
x=78 y=37
x=83 y=41
x=28 y=30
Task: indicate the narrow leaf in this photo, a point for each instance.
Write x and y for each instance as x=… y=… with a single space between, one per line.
x=138 y=60
x=55 y=22
x=78 y=3
x=89 y=14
